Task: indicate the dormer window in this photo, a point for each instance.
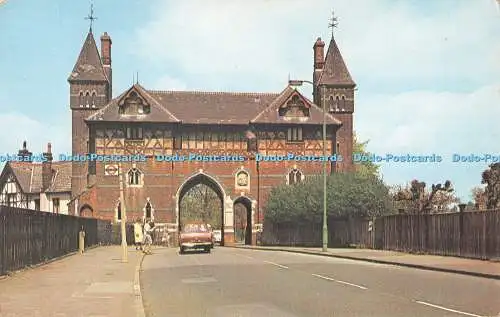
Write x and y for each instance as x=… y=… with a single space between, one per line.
x=133 y=105
x=295 y=108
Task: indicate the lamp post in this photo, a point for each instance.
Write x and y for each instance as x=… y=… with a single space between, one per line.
x=123 y=216
x=325 y=164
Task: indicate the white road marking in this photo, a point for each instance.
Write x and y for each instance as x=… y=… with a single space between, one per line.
x=448 y=309
x=338 y=281
x=245 y=256
x=276 y=264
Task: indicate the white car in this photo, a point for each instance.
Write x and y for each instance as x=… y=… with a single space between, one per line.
x=217 y=236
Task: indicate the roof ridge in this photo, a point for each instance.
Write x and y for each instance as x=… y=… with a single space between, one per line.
x=201 y=92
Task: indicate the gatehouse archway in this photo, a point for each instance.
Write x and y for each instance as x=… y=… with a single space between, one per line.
x=243 y=220
x=201 y=198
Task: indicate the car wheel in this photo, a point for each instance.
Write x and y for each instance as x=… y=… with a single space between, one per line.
x=207 y=250
x=181 y=250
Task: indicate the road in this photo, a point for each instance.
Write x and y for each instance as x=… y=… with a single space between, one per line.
x=239 y=283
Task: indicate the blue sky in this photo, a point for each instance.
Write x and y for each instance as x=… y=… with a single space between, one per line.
x=427 y=71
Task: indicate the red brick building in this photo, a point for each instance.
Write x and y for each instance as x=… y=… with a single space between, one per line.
x=147 y=122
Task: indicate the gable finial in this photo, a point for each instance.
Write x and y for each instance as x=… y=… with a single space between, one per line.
x=137 y=79
x=333 y=22
x=91 y=16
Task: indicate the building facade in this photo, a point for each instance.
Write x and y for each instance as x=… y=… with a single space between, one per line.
x=173 y=124
x=44 y=186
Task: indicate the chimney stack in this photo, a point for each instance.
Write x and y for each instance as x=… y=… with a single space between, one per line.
x=319 y=54
x=25 y=153
x=319 y=63
x=106 y=59
x=47 y=168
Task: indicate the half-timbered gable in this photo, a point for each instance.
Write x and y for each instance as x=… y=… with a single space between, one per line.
x=44 y=186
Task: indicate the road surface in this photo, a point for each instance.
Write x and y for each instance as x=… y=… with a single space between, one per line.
x=239 y=283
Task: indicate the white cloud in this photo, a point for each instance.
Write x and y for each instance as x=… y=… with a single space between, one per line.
x=20 y=127
x=431 y=122
x=446 y=47
x=381 y=40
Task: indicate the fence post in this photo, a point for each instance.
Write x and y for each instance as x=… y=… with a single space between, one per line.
x=81 y=241
x=461 y=228
x=3 y=245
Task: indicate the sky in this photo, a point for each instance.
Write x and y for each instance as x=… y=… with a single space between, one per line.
x=427 y=72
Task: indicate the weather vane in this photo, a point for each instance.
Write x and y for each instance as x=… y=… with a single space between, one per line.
x=91 y=16
x=333 y=22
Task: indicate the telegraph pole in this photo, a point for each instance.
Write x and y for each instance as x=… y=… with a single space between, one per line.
x=123 y=211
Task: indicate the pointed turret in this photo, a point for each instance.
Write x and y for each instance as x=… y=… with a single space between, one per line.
x=335 y=71
x=88 y=66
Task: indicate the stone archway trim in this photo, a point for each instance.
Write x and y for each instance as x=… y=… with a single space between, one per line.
x=227 y=207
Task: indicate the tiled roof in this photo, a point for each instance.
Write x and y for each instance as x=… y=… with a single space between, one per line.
x=198 y=107
x=88 y=65
x=335 y=71
x=271 y=114
x=214 y=107
x=29 y=176
x=158 y=112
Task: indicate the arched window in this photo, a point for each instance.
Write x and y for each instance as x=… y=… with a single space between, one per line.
x=294 y=177
x=134 y=177
x=93 y=99
x=81 y=99
x=119 y=211
x=342 y=103
x=148 y=210
x=332 y=105
x=87 y=99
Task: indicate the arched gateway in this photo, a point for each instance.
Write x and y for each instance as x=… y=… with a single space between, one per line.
x=201 y=178
x=242 y=130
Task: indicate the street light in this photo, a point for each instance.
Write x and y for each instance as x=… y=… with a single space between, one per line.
x=123 y=216
x=325 y=164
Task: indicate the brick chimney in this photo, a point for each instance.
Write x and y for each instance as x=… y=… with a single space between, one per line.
x=47 y=168
x=319 y=54
x=106 y=59
x=24 y=152
x=319 y=62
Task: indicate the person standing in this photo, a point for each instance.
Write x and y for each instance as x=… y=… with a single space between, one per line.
x=148 y=240
x=138 y=234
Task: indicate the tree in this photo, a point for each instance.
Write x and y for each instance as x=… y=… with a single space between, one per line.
x=415 y=198
x=364 y=168
x=201 y=203
x=349 y=194
x=479 y=196
x=491 y=177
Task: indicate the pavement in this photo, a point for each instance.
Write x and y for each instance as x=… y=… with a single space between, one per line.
x=242 y=282
x=94 y=284
x=479 y=268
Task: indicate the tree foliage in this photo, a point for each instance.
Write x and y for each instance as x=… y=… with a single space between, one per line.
x=368 y=167
x=201 y=203
x=491 y=177
x=348 y=194
x=417 y=198
x=479 y=196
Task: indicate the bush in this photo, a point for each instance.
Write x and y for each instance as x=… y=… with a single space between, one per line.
x=348 y=194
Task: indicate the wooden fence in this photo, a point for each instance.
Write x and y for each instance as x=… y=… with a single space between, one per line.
x=29 y=237
x=468 y=234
